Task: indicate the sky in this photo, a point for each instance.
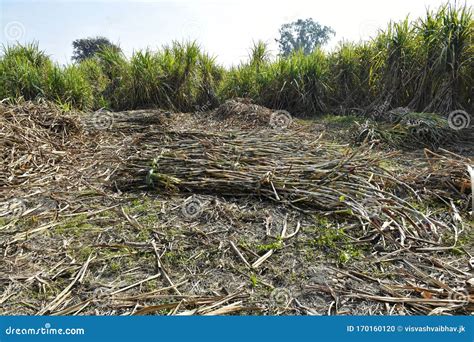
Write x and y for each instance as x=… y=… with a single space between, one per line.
x=225 y=28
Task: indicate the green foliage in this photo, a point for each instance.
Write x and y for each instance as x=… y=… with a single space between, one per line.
x=254 y=280
x=447 y=63
x=89 y=47
x=247 y=79
x=117 y=71
x=178 y=77
x=425 y=65
x=23 y=71
x=297 y=83
x=29 y=73
x=305 y=35
x=278 y=244
x=68 y=85
x=98 y=81
x=351 y=76
x=336 y=243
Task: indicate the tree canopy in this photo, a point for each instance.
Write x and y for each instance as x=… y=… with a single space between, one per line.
x=88 y=47
x=303 y=34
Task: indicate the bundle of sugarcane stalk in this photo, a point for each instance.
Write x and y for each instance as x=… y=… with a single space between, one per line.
x=243 y=112
x=306 y=174
x=410 y=131
x=442 y=175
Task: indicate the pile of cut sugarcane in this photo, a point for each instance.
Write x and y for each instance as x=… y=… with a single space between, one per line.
x=411 y=131
x=302 y=173
x=34 y=137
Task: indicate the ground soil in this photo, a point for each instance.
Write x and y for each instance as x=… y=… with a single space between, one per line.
x=93 y=242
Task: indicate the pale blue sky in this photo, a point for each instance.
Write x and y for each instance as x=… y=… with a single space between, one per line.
x=225 y=28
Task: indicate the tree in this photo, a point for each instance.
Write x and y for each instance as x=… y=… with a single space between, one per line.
x=303 y=34
x=88 y=47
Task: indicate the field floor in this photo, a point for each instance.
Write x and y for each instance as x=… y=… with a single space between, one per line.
x=86 y=230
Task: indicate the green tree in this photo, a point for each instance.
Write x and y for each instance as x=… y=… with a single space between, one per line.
x=303 y=34
x=88 y=47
